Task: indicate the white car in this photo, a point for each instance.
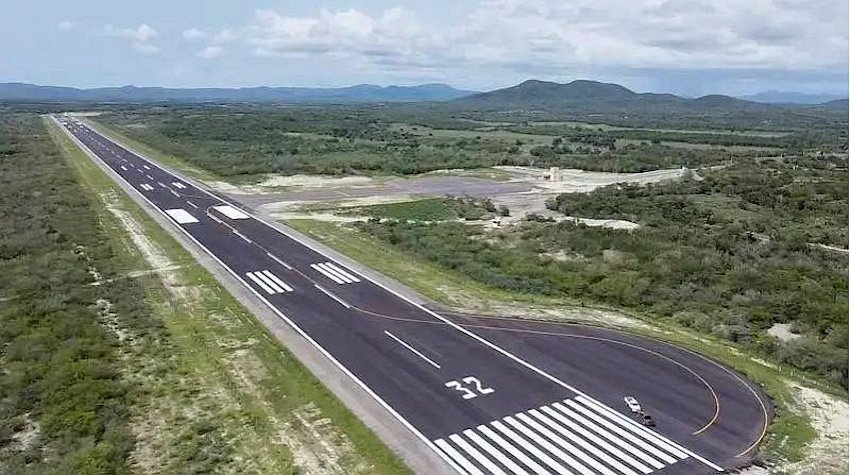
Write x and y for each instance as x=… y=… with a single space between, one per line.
x=633 y=404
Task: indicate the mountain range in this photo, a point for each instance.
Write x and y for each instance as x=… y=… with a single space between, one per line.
x=602 y=97
x=351 y=94
x=580 y=96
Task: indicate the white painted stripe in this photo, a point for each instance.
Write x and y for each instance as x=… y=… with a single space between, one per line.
x=175 y=193
x=531 y=448
x=457 y=457
x=569 y=446
x=412 y=349
x=619 y=431
x=475 y=454
x=554 y=415
x=181 y=216
x=162 y=184
x=146 y=167
x=149 y=176
x=326 y=274
x=494 y=452
x=277 y=289
x=279 y=260
x=608 y=435
x=244 y=237
x=231 y=212
x=339 y=300
x=341 y=276
x=191 y=204
x=123 y=168
x=139 y=170
x=342 y=271
x=260 y=283
x=540 y=441
x=177 y=184
x=515 y=452
x=634 y=427
x=278 y=281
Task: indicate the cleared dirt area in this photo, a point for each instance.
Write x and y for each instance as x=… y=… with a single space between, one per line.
x=524 y=190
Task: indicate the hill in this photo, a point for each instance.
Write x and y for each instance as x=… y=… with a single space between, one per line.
x=593 y=101
x=351 y=94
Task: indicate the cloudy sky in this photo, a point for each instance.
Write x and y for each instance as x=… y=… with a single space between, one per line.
x=689 y=47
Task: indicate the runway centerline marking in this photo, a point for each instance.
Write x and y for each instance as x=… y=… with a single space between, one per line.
x=412 y=349
x=331 y=295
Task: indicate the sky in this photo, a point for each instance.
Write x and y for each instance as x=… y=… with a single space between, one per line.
x=687 y=47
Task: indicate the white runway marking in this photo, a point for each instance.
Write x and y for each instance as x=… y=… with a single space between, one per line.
x=412 y=349
x=146 y=167
x=329 y=294
x=242 y=236
x=123 y=168
x=175 y=193
x=335 y=273
x=279 y=260
x=191 y=204
x=181 y=216
x=269 y=282
x=146 y=187
x=231 y=212
x=179 y=185
x=149 y=176
x=564 y=437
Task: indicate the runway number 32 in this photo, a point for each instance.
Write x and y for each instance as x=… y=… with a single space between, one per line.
x=470 y=386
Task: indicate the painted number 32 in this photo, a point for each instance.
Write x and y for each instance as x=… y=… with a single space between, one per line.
x=470 y=386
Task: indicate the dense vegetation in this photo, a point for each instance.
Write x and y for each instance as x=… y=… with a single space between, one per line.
x=63 y=405
x=243 y=142
x=730 y=255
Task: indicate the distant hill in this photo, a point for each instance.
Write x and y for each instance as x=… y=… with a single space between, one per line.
x=780 y=97
x=591 y=101
x=351 y=94
x=593 y=95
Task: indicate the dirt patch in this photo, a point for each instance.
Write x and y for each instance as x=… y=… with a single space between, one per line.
x=783 y=332
x=828 y=453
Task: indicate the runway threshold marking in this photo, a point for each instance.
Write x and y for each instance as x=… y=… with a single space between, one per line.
x=335 y=273
x=412 y=349
x=181 y=216
x=269 y=282
x=573 y=436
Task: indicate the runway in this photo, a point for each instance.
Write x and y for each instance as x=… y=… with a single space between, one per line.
x=487 y=396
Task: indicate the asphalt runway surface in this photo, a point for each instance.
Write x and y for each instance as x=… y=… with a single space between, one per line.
x=488 y=396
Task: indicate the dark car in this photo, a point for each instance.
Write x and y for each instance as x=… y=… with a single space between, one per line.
x=647 y=420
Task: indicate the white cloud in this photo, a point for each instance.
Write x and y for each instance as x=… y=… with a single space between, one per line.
x=535 y=35
x=139 y=37
x=141 y=33
x=194 y=34
x=210 y=52
x=145 y=48
x=65 y=25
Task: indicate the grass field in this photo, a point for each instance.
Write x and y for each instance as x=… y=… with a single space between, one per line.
x=220 y=395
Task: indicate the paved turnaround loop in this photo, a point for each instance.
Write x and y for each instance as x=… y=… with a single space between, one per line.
x=488 y=398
